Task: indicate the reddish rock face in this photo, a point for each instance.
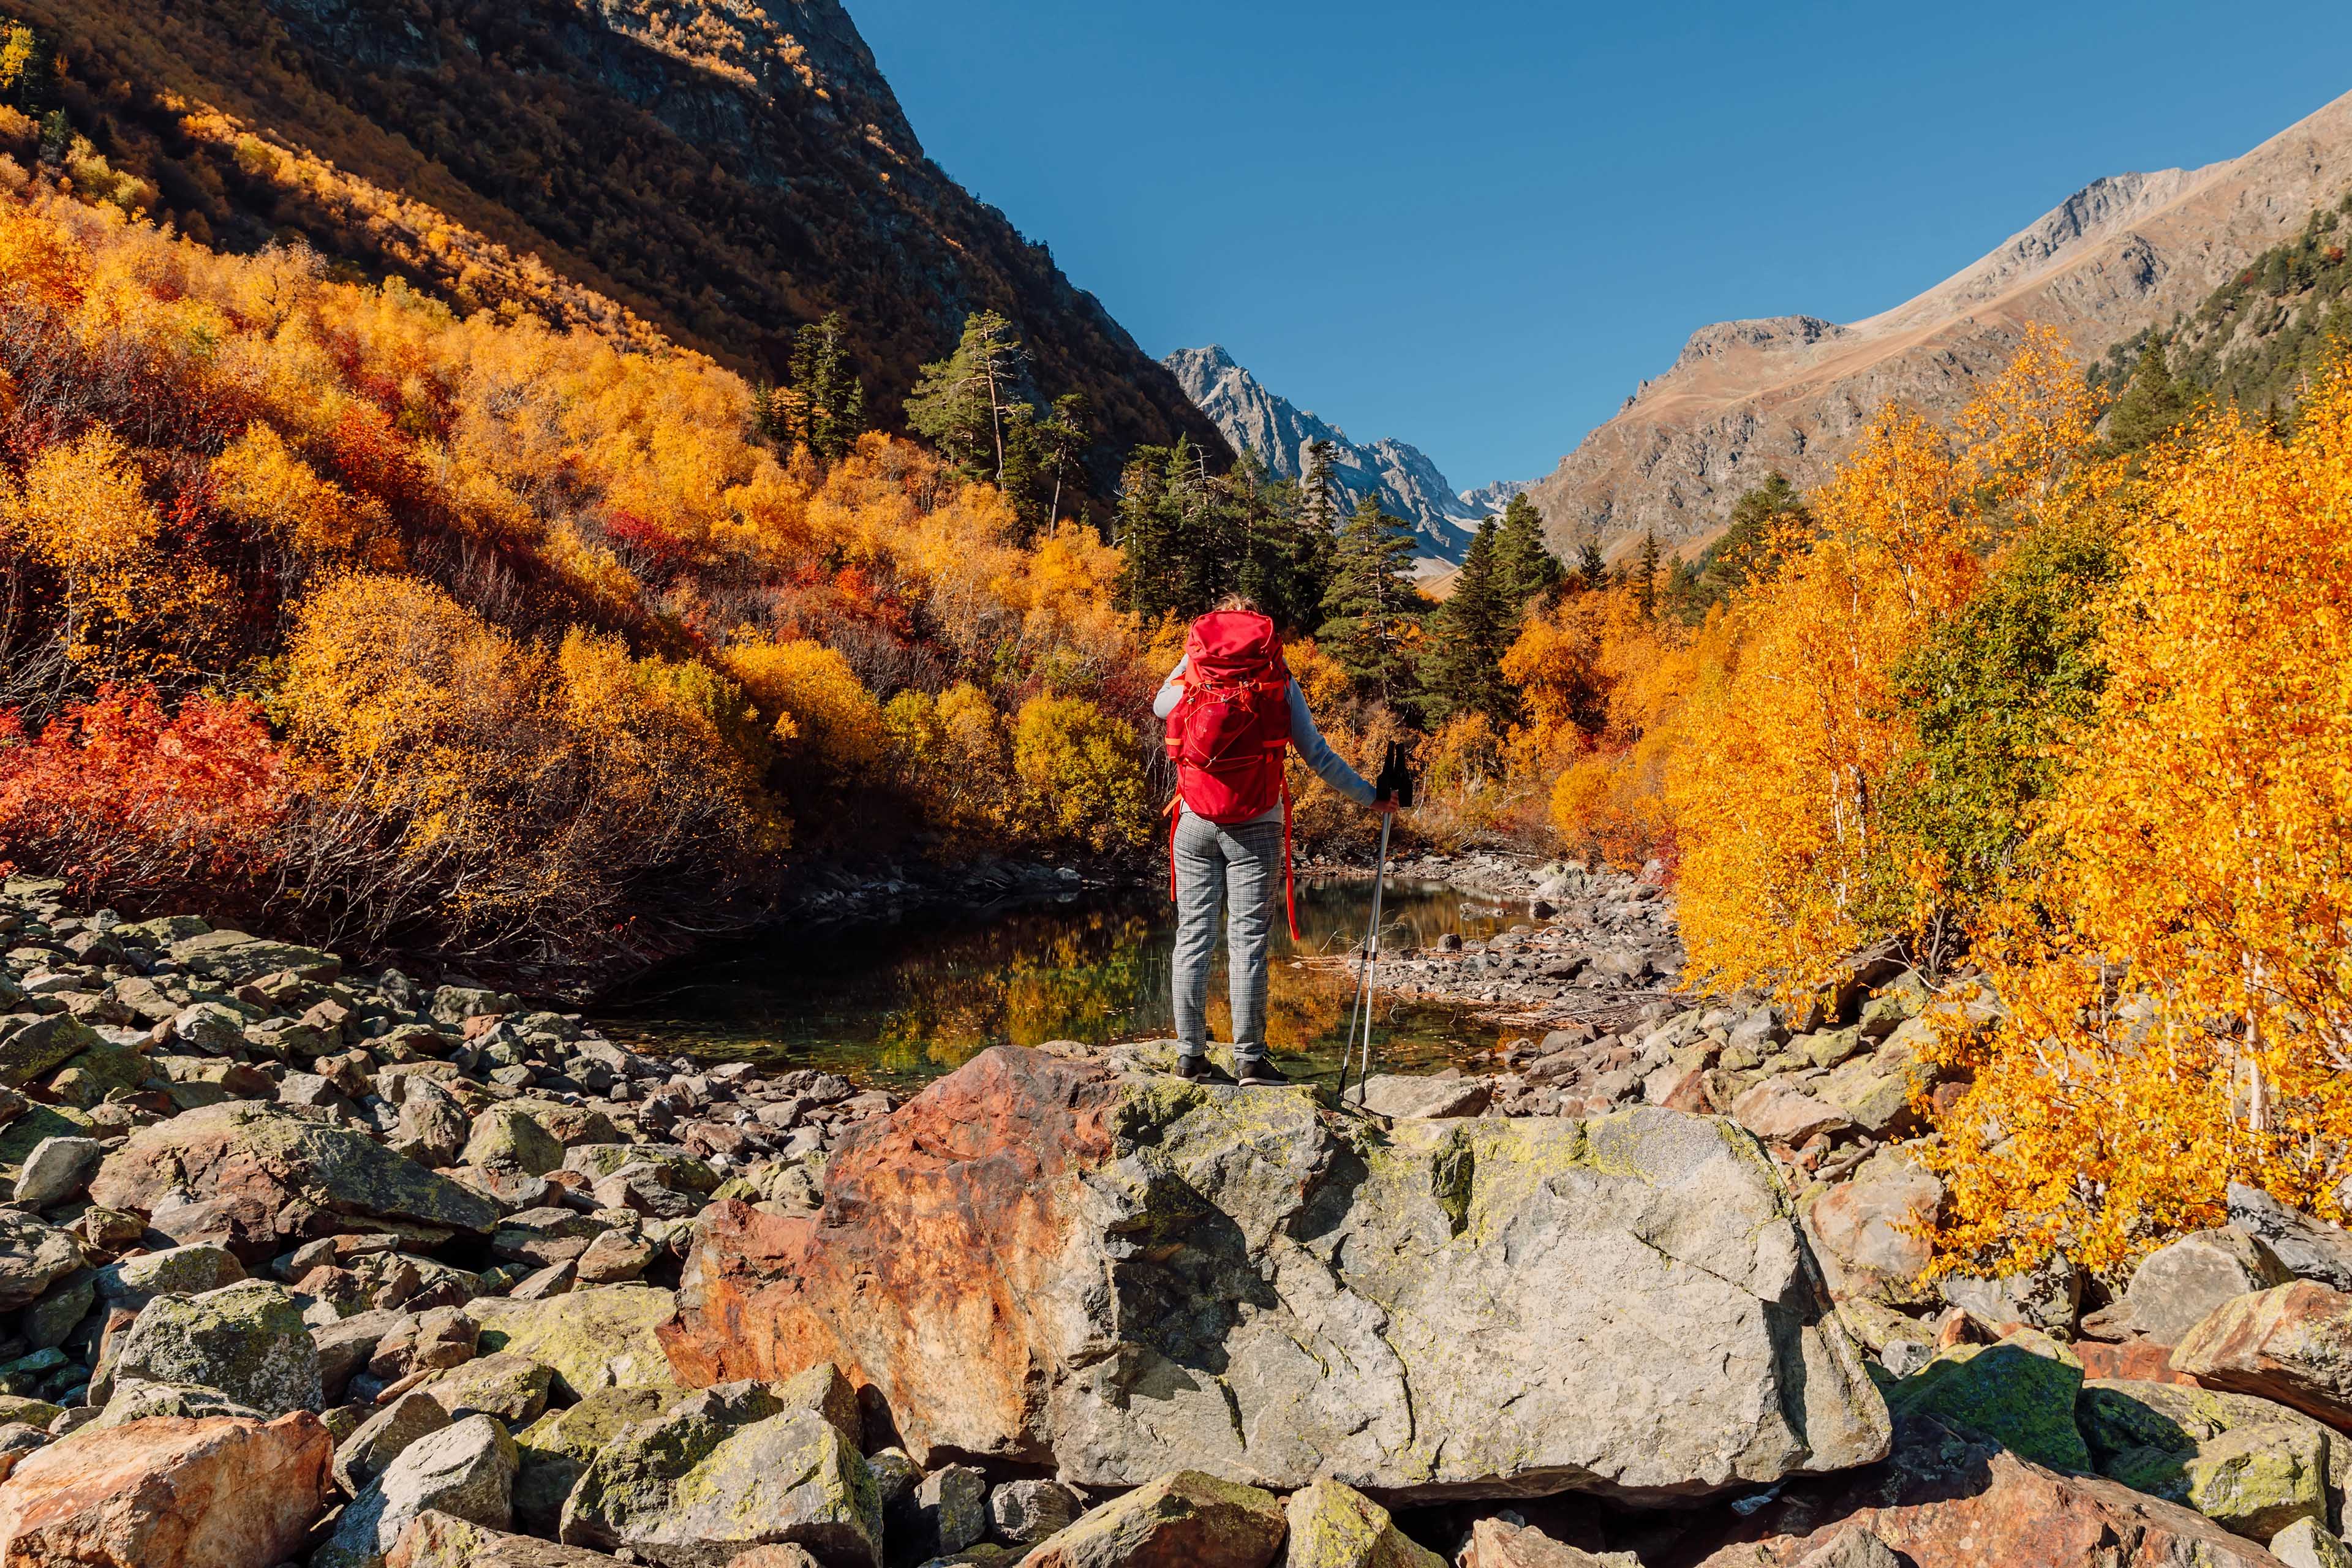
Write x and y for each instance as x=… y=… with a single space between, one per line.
x=1496 y=1544
x=222 y=1492
x=2140 y=1360
x=1941 y=1502
x=954 y=1198
x=2293 y=1343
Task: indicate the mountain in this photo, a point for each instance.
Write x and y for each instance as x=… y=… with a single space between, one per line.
x=1277 y=432
x=722 y=171
x=1792 y=393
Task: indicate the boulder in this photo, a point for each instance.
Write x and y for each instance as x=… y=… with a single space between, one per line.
x=2020 y=1393
x=253 y=1176
x=170 y=1271
x=436 y=1540
x=604 y=1338
x=507 y=1137
x=1333 y=1525
x=1487 y=1307
x=721 y=1471
x=384 y=1436
x=247 y=1340
x=2306 y=1246
x=466 y=1470
x=48 y=1041
x=1187 y=1519
x=511 y=1387
x=2292 y=1343
x=1946 y=1501
x=2252 y=1467
x=57 y=1169
x=557 y=1447
x=1879 y=1092
x=1398 y=1094
x=1779 y=1112
x=1870 y=1231
x=33 y=1256
x=1502 y=1543
x=1023 y=1513
x=234 y=958
x=168 y=1493
x=946 y=1512
x=616 y=1258
x=2303 y=1544
x=2048 y=1296
x=2177 y=1285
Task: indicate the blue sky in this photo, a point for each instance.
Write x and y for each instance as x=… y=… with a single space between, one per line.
x=1476 y=226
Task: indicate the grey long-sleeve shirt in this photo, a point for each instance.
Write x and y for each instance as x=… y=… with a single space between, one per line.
x=1328 y=765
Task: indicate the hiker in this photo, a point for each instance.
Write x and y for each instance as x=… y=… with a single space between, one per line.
x=1232 y=709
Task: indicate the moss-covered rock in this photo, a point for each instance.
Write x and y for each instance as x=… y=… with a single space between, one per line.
x=724 y=1470
x=247 y=1340
x=603 y=1338
x=509 y=1138
x=556 y=1447
x=1336 y=1526
x=2253 y=1467
x=511 y=1387
x=2020 y=1393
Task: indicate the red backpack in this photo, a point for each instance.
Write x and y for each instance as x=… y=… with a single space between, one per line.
x=1229 y=731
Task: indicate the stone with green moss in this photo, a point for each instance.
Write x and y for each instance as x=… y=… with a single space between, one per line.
x=720 y=1472
x=558 y=1446
x=247 y=1340
x=2020 y=1393
x=41 y=1042
x=2252 y=1467
x=1336 y=1526
x=512 y=1388
x=89 y=1077
x=591 y=1339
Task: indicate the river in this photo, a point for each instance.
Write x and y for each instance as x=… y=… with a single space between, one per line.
x=899 y=1004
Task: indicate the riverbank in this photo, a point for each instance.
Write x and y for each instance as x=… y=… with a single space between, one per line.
x=307 y=1262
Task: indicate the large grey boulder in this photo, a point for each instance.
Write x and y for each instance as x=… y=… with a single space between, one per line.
x=247 y=1340
x=466 y=1470
x=384 y=1436
x=2177 y=1285
x=57 y=1169
x=724 y=1470
x=1050 y=1263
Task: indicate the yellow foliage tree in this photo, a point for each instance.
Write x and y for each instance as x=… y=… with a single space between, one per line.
x=2177 y=970
x=1081 y=772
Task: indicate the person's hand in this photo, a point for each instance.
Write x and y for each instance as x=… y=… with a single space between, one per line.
x=1385 y=808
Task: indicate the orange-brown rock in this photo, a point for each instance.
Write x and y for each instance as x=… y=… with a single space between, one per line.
x=169 y=1493
x=1944 y=1502
x=954 y=1203
x=2140 y=1361
x=2292 y=1343
x=436 y=1540
x=1498 y=1544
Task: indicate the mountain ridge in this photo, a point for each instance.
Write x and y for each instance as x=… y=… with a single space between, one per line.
x=725 y=173
x=1276 y=431
x=1792 y=393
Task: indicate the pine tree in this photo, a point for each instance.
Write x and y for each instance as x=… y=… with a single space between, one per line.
x=959 y=403
x=1370 y=605
x=1645 y=583
x=1590 y=569
x=1525 y=567
x=1462 y=662
x=1147 y=579
x=2152 y=406
x=1065 y=438
x=826 y=412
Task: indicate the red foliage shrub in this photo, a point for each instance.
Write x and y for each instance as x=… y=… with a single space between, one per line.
x=115 y=795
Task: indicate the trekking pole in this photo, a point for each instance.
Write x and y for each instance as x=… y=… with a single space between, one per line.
x=1395 y=784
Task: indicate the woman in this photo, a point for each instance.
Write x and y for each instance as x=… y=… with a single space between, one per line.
x=1231 y=708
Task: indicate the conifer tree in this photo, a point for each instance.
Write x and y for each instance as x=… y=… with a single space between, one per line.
x=1524 y=566
x=959 y=403
x=1590 y=569
x=1372 y=604
x=1064 y=439
x=2152 y=406
x=1462 y=662
x=826 y=411
x=1646 y=582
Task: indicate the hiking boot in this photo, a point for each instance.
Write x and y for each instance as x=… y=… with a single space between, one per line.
x=1200 y=1070
x=1261 y=1073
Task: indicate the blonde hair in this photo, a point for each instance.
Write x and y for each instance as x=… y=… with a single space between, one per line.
x=1241 y=601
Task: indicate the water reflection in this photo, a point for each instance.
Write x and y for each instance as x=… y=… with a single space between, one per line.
x=912 y=1001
